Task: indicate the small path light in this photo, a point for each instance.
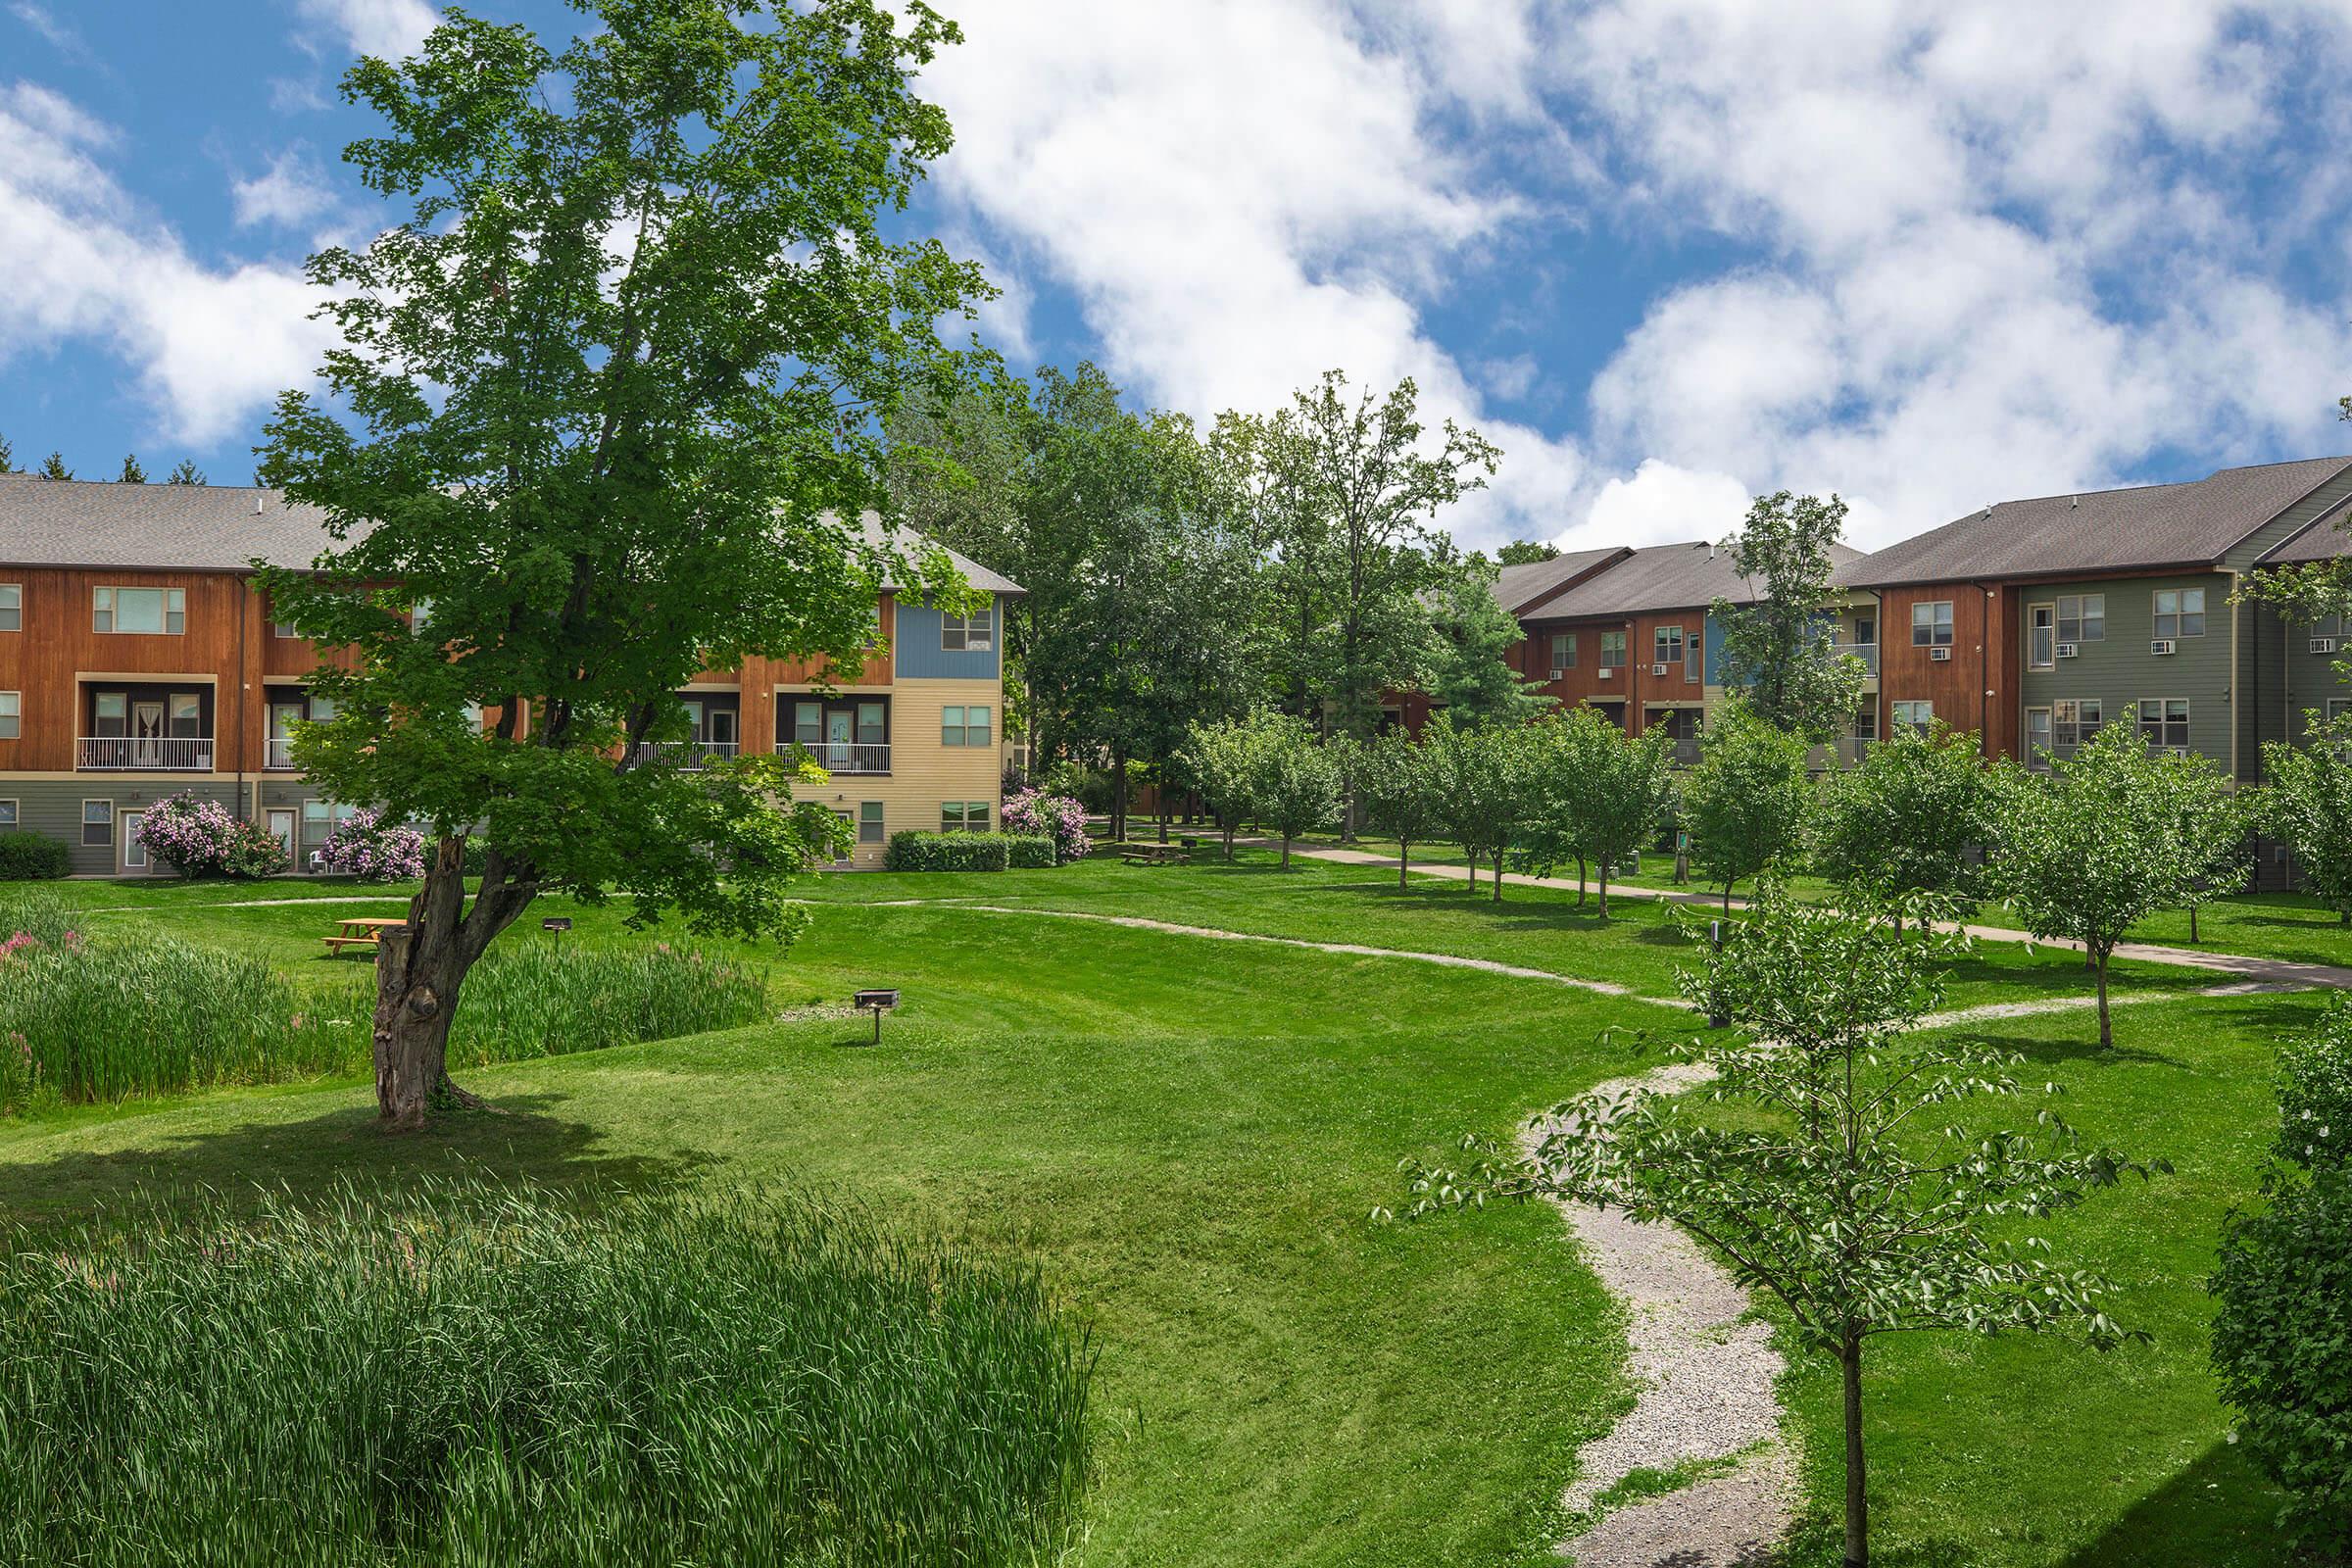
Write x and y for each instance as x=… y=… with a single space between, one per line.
x=558 y=925
x=881 y=1002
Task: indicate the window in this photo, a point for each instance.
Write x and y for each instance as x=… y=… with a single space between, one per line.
x=109 y=713
x=318 y=819
x=1563 y=649
x=964 y=726
x=2337 y=707
x=1932 y=623
x=1693 y=660
x=98 y=824
x=139 y=609
x=1915 y=715
x=322 y=709
x=869 y=822
x=2083 y=617
x=2041 y=638
x=2037 y=736
x=12 y=715
x=807 y=722
x=2324 y=626
x=1612 y=650
x=975 y=633
x=8 y=813
x=873 y=722
x=1668 y=646
x=963 y=816
x=12 y=607
x=1865 y=723
x=2075 y=720
x=1866 y=630
x=186 y=715
x=2180 y=612
x=2164 y=720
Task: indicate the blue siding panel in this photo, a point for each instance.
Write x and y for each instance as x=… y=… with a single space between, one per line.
x=915 y=653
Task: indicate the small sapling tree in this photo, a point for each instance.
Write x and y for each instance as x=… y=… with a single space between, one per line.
x=1295 y=781
x=1750 y=799
x=2212 y=824
x=2306 y=804
x=1215 y=758
x=1830 y=1188
x=1404 y=790
x=1595 y=795
x=1487 y=771
x=1911 y=822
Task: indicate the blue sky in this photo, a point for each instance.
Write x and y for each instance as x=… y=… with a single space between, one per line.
x=1667 y=253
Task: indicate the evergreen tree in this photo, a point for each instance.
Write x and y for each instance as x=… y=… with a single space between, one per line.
x=1525 y=553
x=8 y=456
x=185 y=471
x=53 y=466
x=132 y=473
x=1464 y=664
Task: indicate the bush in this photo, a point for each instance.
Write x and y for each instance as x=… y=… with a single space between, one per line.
x=481 y=1374
x=361 y=846
x=913 y=851
x=2282 y=1345
x=32 y=857
x=200 y=837
x=2315 y=1091
x=1056 y=818
x=1031 y=852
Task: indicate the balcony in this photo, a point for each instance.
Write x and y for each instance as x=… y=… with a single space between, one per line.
x=280 y=753
x=1686 y=750
x=685 y=754
x=176 y=753
x=842 y=757
x=1868 y=652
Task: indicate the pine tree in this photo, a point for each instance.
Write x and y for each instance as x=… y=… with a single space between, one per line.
x=187 y=472
x=53 y=466
x=132 y=473
x=8 y=456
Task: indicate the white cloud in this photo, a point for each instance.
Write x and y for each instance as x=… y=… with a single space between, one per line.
x=291 y=191
x=388 y=29
x=1659 y=505
x=209 y=346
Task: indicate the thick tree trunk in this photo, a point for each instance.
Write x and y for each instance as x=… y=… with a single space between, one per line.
x=2106 y=1028
x=1163 y=814
x=1727 y=898
x=1604 y=888
x=420 y=969
x=1227 y=830
x=1857 y=1505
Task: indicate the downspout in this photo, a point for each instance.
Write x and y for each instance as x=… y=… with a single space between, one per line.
x=2235 y=648
x=244 y=698
x=1985 y=675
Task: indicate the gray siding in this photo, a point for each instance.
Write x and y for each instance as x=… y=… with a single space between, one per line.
x=2120 y=671
x=2241 y=557
x=2311 y=678
x=52 y=808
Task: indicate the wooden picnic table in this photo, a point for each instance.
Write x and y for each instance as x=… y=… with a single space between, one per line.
x=1154 y=854
x=359 y=931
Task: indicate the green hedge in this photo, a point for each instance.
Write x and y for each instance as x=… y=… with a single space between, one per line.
x=913 y=851
x=32 y=857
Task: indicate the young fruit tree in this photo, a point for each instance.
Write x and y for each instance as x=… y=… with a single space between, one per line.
x=1404 y=790
x=1596 y=794
x=1215 y=758
x=1749 y=801
x=603 y=418
x=1487 y=768
x=1293 y=780
x=1850 y=1180
x=2090 y=848
x=2213 y=826
x=1911 y=823
x=2306 y=802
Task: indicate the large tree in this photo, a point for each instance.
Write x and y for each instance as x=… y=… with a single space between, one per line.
x=608 y=398
x=1781 y=648
x=1465 y=663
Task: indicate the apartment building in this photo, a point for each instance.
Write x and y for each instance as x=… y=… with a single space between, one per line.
x=138 y=657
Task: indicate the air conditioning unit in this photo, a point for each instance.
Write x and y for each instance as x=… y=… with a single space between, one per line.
x=1558 y=673
x=1940 y=655
x=1659 y=669
x=2161 y=646
x=2322 y=645
x=2066 y=650
x=1607 y=672
x=2180 y=751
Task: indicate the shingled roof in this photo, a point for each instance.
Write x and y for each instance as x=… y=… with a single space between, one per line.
x=1679 y=576
x=1516 y=587
x=207 y=528
x=2193 y=525
x=2323 y=540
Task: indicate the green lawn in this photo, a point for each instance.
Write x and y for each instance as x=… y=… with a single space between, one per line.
x=1188 y=1136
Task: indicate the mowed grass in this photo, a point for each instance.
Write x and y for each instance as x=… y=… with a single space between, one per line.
x=1186 y=1135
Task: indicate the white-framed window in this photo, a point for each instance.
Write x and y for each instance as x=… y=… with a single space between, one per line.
x=12 y=716
x=185 y=716
x=2164 y=720
x=964 y=726
x=2075 y=720
x=144 y=610
x=1914 y=714
x=809 y=722
x=2324 y=626
x=109 y=713
x=1563 y=649
x=2081 y=618
x=320 y=816
x=1612 y=650
x=1667 y=644
x=2041 y=638
x=975 y=633
x=2338 y=707
x=2037 y=736
x=2180 y=612
x=1932 y=623
x=1694 y=663
x=963 y=816
x=12 y=607
x=1866 y=722
x=283 y=628
x=98 y=824
x=869 y=822
x=8 y=815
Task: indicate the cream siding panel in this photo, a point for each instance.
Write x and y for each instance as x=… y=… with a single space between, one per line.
x=924 y=774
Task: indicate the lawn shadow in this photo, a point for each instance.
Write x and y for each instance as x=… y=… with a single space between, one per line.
x=2219 y=1506
x=2083 y=1048
x=525 y=1139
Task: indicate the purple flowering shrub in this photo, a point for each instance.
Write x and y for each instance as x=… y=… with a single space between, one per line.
x=363 y=846
x=1058 y=817
x=199 y=837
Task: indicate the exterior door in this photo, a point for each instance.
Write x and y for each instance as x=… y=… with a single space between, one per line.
x=283 y=717
x=134 y=854
x=147 y=734
x=839 y=731
x=281 y=829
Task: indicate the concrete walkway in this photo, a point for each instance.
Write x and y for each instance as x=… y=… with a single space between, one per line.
x=2286 y=972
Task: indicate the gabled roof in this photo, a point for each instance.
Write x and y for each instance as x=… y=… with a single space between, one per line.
x=210 y=527
x=1518 y=587
x=1679 y=576
x=2188 y=524
x=2323 y=540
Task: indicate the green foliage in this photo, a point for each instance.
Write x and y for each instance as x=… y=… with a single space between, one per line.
x=548 y=999
x=2315 y=1091
x=1912 y=821
x=1031 y=852
x=480 y=1375
x=185 y=471
x=1405 y=792
x=32 y=857
x=8 y=456
x=910 y=850
x=53 y=466
x=2307 y=802
x=2282 y=1345
x=1781 y=650
x=1488 y=771
x=1294 y=778
x=1751 y=801
x=1525 y=553
x=1464 y=665
x=1597 y=793
x=132 y=473
x=2213 y=827
x=1218 y=759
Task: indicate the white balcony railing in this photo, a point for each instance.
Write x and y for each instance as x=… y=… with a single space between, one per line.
x=688 y=755
x=1868 y=652
x=280 y=752
x=176 y=753
x=842 y=757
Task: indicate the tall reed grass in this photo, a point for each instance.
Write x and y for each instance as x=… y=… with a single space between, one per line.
x=533 y=999
x=477 y=1376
